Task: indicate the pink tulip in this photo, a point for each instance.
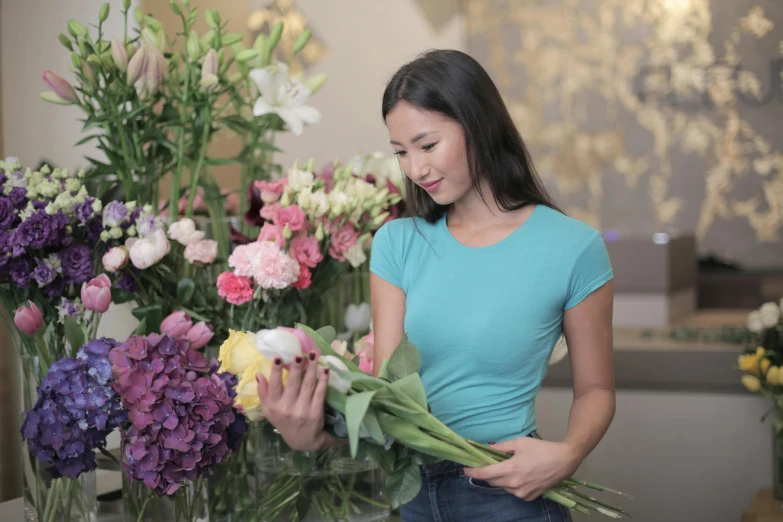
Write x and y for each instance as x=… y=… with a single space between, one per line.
x=28 y=318
x=96 y=294
x=60 y=87
x=365 y=363
x=199 y=335
x=176 y=324
x=305 y=341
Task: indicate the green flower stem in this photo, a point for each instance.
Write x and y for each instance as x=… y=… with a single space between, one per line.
x=194 y=177
x=43 y=351
x=568 y=494
x=177 y=177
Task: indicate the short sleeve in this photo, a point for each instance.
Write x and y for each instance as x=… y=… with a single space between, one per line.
x=385 y=260
x=591 y=270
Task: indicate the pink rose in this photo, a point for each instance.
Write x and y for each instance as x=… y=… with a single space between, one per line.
x=96 y=294
x=305 y=250
x=273 y=268
x=235 y=289
x=269 y=212
x=28 y=319
x=342 y=240
x=293 y=216
x=305 y=278
x=271 y=190
x=271 y=232
x=176 y=324
x=199 y=335
x=202 y=252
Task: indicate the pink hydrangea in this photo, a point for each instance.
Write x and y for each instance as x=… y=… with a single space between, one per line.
x=271 y=232
x=293 y=216
x=235 y=289
x=306 y=251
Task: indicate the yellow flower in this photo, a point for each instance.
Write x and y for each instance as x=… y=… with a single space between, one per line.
x=748 y=363
x=760 y=351
x=247 y=399
x=238 y=352
x=773 y=376
x=751 y=383
x=764 y=365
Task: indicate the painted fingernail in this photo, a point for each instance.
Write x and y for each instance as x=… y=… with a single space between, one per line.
x=312 y=356
x=298 y=360
x=326 y=371
x=278 y=361
x=258 y=378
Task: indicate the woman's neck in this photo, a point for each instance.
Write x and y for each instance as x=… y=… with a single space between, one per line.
x=474 y=211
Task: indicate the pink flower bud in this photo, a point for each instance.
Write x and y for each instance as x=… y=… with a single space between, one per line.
x=209 y=69
x=154 y=73
x=137 y=65
x=96 y=294
x=199 y=335
x=119 y=55
x=60 y=87
x=28 y=318
x=176 y=324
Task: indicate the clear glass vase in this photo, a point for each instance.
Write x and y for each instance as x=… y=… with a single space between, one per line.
x=142 y=504
x=327 y=485
x=232 y=484
x=777 y=463
x=48 y=499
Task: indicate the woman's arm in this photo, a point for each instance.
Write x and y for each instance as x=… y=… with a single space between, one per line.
x=388 y=316
x=588 y=331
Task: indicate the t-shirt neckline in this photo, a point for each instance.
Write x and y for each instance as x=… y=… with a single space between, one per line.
x=516 y=231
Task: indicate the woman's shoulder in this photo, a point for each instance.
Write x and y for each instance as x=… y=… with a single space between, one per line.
x=566 y=229
x=406 y=228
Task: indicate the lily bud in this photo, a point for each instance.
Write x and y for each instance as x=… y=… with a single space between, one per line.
x=60 y=87
x=302 y=40
x=319 y=232
x=209 y=69
x=151 y=37
x=118 y=55
x=274 y=36
x=137 y=65
x=378 y=221
x=76 y=29
x=260 y=45
x=88 y=74
x=213 y=18
x=126 y=4
x=192 y=46
x=138 y=16
x=175 y=8
x=207 y=39
x=65 y=41
x=235 y=78
x=315 y=83
x=76 y=60
x=246 y=55
x=94 y=60
x=153 y=75
x=103 y=13
x=232 y=38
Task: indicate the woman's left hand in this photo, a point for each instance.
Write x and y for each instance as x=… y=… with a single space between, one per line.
x=536 y=466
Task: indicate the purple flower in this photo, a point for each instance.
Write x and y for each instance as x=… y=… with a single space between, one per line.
x=55 y=288
x=180 y=411
x=21 y=270
x=127 y=282
x=71 y=307
x=238 y=428
x=7 y=213
x=75 y=411
x=83 y=211
x=36 y=230
x=18 y=197
x=44 y=273
x=92 y=230
x=77 y=264
x=114 y=213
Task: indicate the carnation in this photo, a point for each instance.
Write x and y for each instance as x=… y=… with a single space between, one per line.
x=235 y=289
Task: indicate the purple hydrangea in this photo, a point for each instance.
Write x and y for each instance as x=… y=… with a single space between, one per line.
x=75 y=412
x=77 y=264
x=238 y=428
x=7 y=213
x=180 y=412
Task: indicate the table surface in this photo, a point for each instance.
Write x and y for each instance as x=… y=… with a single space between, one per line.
x=763 y=508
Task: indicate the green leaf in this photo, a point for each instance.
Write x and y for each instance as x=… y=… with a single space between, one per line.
x=404 y=361
x=328 y=334
x=384 y=371
x=304 y=462
x=141 y=328
x=221 y=161
x=385 y=460
x=152 y=315
x=74 y=333
x=777 y=424
x=372 y=426
x=403 y=485
x=412 y=386
x=355 y=409
x=185 y=289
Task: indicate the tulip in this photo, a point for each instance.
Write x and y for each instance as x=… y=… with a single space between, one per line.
x=209 y=69
x=96 y=294
x=176 y=324
x=28 y=318
x=60 y=87
x=336 y=381
x=278 y=343
x=199 y=335
x=365 y=363
x=115 y=259
x=118 y=55
x=137 y=65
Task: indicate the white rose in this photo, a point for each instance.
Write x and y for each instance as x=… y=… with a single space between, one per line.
x=278 y=343
x=116 y=258
x=355 y=255
x=147 y=251
x=357 y=318
x=754 y=321
x=299 y=179
x=337 y=379
x=770 y=314
x=184 y=232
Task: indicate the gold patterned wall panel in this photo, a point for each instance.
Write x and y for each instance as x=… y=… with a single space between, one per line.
x=649 y=115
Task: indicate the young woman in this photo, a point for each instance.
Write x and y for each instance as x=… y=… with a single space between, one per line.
x=483 y=279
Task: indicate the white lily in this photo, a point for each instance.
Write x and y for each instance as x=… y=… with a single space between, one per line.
x=284 y=97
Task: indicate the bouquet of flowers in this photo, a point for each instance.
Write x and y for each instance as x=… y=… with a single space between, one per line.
x=386 y=417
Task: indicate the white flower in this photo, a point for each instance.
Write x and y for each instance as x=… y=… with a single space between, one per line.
x=147 y=251
x=184 y=232
x=357 y=318
x=319 y=204
x=284 y=97
x=278 y=343
x=115 y=259
x=755 y=324
x=341 y=347
x=299 y=180
x=336 y=380
x=770 y=314
x=355 y=255
x=559 y=352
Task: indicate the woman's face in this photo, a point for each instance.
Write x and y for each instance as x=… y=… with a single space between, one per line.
x=431 y=150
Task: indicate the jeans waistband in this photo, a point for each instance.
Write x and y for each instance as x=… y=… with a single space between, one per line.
x=446 y=466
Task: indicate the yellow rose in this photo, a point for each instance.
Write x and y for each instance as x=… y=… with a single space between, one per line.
x=764 y=365
x=748 y=363
x=760 y=351
x=238 y=352
x=247 y=399
x=751 y=383
x=773 y=376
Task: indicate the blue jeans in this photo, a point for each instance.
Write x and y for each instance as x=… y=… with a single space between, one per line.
x=447 y=495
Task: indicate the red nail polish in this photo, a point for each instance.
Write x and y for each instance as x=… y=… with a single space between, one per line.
x=298 y=360
x=278 y=361
x=326 y=371
x=312 y=356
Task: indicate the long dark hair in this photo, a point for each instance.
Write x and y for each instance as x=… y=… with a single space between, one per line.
x=455 y=85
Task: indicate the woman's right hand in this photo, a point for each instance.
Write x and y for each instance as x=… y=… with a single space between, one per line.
x=297 y=409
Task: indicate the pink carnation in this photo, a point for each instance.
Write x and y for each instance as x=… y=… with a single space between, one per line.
x=305 y=278
x=202 y=251
x=305 y=250
x=342 y=240
x=234 y=289
x=245 y=257
x=270 y=232
x=269 y=212
x=271 y=190
x=293 y=216
x=273 y=268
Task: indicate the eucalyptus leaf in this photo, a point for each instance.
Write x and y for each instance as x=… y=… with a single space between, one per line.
x=404 y=361
x=355 y=408
x=402 y=486
x=328 y=333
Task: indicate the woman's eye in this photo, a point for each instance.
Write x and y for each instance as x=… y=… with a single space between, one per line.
x=429 y=146
x=400 y=153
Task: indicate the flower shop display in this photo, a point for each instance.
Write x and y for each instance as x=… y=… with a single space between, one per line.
x=385 y=417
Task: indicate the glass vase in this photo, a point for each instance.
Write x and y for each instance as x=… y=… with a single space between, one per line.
x=232 y=485
x=49 y=499
x=326 y=485
x=142 y=504
x=777 y=463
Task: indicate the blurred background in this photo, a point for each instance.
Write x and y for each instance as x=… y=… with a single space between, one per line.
x=659 y=122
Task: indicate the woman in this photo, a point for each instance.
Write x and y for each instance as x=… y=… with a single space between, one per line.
x=483 y=280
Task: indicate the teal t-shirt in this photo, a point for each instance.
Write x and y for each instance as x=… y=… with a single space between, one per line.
x=485 y=320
